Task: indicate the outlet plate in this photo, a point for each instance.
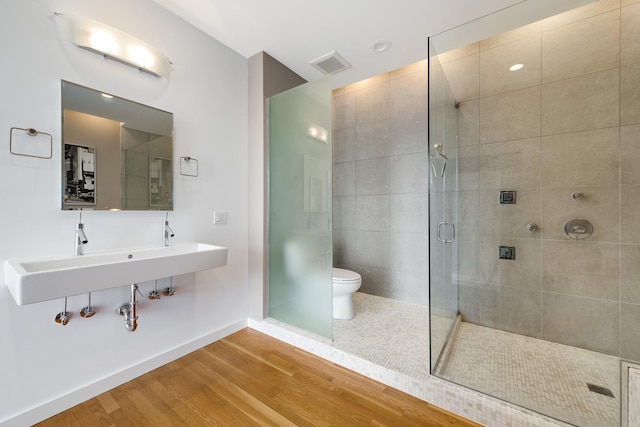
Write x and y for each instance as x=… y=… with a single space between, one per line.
x=220 y=217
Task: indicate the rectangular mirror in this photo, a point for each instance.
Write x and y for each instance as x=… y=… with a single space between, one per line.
x=117 y=154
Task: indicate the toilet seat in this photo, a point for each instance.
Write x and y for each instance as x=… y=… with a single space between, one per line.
x=345 y=276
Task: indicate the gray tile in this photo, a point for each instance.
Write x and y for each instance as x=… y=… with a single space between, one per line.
x=344 y=179
x=510 y=116
x=629 y=273
x=630 y=34
x=599 y=205
x=630 y=94
x=630 y=332
x=372 y=249
x=581 y=103
x=372 y=213
x=629 y=218
x=408 y=213
x=463 y=76
x=375 y=281
x=408 y=134
x=372 y=140
x=495 y=75
x=582 y=269
x=510 y=165
x=409 y=252
x=372 y=176
x=344 y=247
x=581 y=322
x=630 y=154
x=581 y=47
x=410 y=287
x=526 y=31
x=466 y=162
x=512 y=310
x=468 y=122
x=470 y=303
x=372 y=103
x=409 y=173
x=344 y=145
x=408 y=94
x=523 y=272
x=508 y=220
x=344 y=111
x=579 y=13
x=594 y=157
x=344 y=212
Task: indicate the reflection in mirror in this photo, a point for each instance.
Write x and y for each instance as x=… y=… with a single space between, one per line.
x=117 y=154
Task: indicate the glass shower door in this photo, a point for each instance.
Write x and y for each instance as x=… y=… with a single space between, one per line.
x=443 y=298
x=300 y=195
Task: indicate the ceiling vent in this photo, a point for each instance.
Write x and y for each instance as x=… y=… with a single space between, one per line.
x=331 y=63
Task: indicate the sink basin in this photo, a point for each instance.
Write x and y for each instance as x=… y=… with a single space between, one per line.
x=40 y=279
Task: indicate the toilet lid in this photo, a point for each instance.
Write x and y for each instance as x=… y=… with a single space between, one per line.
x=342 y=275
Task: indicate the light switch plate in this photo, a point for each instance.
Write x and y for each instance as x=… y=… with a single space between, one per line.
x=220 y=217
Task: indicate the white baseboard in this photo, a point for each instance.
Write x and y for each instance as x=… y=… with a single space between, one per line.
x=73 y=398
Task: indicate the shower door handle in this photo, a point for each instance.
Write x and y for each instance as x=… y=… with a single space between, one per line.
x=439 y=232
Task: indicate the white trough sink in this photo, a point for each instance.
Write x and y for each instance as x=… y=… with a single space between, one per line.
x=40 y=279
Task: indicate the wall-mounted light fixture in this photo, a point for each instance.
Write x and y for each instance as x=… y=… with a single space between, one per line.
x=112 y=43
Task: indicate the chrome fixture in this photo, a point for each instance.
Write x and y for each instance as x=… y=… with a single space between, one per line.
x=577 y=195
x=154 y=294
x=532 y=227
x=130 y=310
x=166 y=231
x=81 y=238
x=64 y=316
x=169 y=291
x=439 y=232
x=578 y=229
x=438 y=153
x=88 y=311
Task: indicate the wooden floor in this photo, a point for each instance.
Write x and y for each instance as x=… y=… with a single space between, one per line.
x=252 y=379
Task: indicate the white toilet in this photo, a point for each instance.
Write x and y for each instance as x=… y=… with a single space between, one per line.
x=345 y=283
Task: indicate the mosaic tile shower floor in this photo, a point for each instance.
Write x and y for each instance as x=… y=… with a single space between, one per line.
x=541 y=375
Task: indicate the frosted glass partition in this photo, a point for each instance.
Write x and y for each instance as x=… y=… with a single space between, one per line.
x=300 y=250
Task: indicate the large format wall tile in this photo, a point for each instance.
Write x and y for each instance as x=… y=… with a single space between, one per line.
x=344 y=179
x=372 y=176
x=372 y=103
x=511 y=36
x=344 y=247
x=512 y=310
x=468 y=122
x=408 y=118
x=629 y=217
x=344 y=111
x=580 y=268
x=467 y=178
x=409 y=252
x=463 y=77
x=375 y=281
x=410 y=287
x=372 y=249
x=372 y=213
x=629 y=273
x=630 y=94
x=581 y=158
x=599 y=206
x=582 y=322
x=523 y=272
x=578 y=14
x=630 y=154
x=630 y=35
x=509 y=220
x=344 y=145
x=409 y=173
x=583 y=47
x=495 y=75
x=581 y=103
x=510 y=116
x=344 y=212
x=510 y=165
x=630 y=332
x=408 y=213
x=372 y=139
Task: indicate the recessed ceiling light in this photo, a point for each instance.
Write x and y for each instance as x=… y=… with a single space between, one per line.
x=516 y=67
x=106 y=95
x=381 y=46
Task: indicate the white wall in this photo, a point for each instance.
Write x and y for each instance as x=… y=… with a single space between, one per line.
x=44 y=366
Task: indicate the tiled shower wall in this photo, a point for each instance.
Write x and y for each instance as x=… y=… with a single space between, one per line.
x=380 y=183
x=569 y=121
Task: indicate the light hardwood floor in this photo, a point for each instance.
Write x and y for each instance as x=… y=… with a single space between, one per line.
x=251 y=379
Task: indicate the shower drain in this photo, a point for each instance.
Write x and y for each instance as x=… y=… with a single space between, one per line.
x=600 y=390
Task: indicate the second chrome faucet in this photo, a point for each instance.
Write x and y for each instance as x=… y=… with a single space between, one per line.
x=166 y=231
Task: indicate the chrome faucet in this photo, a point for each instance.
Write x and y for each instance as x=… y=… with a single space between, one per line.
x=166 y=231
x=81 y=238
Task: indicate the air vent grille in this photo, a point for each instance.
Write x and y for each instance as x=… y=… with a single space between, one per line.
x=331 y=63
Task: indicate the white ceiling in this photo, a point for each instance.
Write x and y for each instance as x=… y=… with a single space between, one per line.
x=296 y=32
